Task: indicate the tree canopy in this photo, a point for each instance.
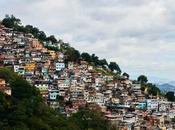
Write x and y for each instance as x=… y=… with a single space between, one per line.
x=85 y=56
x=142 y=79
x=90 y=119
x=114 y=66
x=25 y=110
x=170 y=96
x=11 y=21
x=153 y=89
x=52 y=39
x=126 y=74
x=72 y=54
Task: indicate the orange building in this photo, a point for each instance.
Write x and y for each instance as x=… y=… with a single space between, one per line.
x=36 y=44
x=30 y=67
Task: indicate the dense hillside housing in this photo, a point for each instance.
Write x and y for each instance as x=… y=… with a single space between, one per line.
x=79 y=84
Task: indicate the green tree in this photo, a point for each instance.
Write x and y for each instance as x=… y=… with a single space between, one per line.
x=153 y=89
x=6 y=74
x=170 y=96
x=41 y=35
x=95 y=59
x=22 y=89
x=51 y=38
x=11 y=21
x=72 y=55
x=86 y=57
x=29 y=29
x=52 y=48
x=103 y=62
x=142 y=79
x=173 y=120
x=35 y=31
x=126 y=74
x=114 y=66
x=88 y=119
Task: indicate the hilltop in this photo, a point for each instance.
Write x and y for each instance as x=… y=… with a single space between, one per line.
x=47 y=84
x=51 y=43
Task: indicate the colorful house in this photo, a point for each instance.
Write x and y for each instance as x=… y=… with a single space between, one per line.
x=53 y=94
x=30 y=67
x=59 y=66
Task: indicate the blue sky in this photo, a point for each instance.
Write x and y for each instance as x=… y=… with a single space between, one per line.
x=138 y=34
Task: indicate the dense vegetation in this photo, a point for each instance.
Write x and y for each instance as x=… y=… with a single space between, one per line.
x=25 y=110
x=152 y=89
x=170 y=96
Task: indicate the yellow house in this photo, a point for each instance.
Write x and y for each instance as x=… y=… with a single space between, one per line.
x=2 y=83
x=4 y=88
x=52 y=54
x=30 y=67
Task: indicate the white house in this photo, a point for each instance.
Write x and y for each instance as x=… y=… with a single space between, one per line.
x=152 y=104
x=60 y=66
x=16 y=67
x=99 y=98
x=42 y=87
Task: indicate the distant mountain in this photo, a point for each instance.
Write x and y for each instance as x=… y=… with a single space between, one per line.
x=166 y=87
x=158 y=80
x=172 y=83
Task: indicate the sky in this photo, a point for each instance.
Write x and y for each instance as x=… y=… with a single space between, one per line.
x=137 y=34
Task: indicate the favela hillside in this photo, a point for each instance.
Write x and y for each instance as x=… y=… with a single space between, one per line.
x=46 y=84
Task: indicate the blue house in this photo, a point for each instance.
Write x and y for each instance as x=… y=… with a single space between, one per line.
x=141 y=105
x=53 y=94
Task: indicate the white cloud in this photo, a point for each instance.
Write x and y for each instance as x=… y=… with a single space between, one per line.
x=138 y=34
